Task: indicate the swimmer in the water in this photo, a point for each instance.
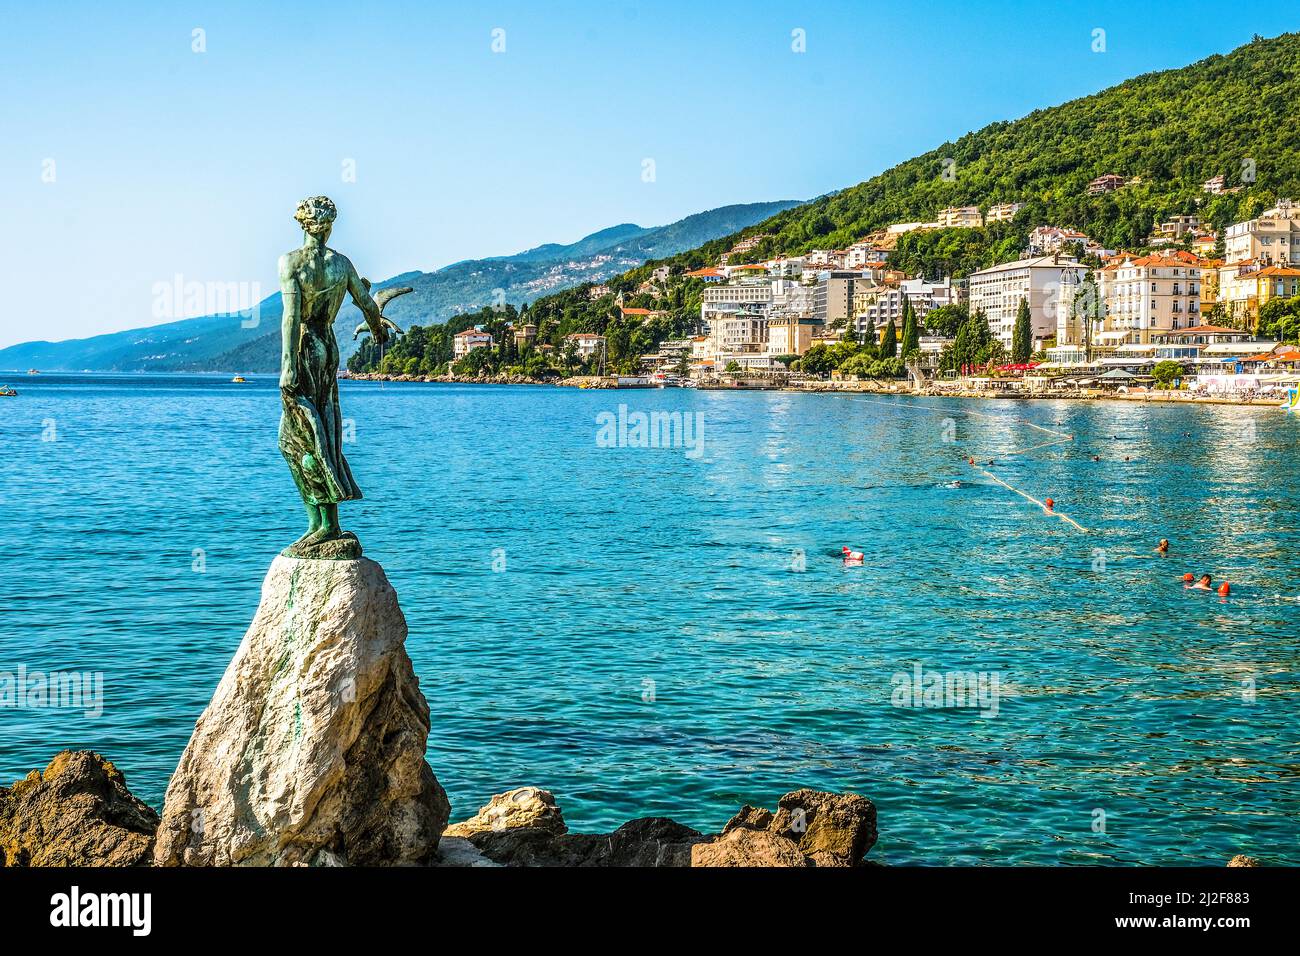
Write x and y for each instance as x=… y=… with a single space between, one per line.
x=1203 y=584
x=1096 y=457
x=852 y=557
x=1163 y=546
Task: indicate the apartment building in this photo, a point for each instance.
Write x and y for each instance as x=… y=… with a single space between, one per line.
x=1106 y=184
x=1047 y=283
x=876 y=305
x=791 y=334
x=832 y=295
x=462 y=343
x=1273 y=238
x=1174 y=229
x=863 y=253
x=1003 y=211
x=963 y=217
x=751 y=294
x=588 y=344
x=1244 y=287
x=1046 y=240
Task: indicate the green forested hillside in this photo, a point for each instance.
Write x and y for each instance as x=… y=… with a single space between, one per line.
x=1233 y=114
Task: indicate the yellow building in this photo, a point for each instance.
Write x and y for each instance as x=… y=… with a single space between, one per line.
x=791 y=334
x=1210 y=284
x=1245 y=287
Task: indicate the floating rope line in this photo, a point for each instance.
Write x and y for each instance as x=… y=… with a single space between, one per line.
x=1029 y=497
x=1061 y=438
x=1050 y=431
x=1046 y=444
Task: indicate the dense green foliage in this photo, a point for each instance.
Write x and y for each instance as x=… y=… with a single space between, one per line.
x=1280 y=319
x=972 y=347
x=428 y=350
x=1173 y=129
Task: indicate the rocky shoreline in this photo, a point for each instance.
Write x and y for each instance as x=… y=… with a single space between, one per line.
x=311 y=752
x=79 y=812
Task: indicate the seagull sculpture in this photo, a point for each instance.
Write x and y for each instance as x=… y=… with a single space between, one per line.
x=382 y=298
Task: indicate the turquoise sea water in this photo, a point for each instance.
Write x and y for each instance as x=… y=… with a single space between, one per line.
x=652 y=647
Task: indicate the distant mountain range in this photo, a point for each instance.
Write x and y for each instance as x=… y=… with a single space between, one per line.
x=223 y=343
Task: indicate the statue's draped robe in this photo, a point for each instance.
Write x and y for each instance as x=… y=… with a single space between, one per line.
x=311 y=426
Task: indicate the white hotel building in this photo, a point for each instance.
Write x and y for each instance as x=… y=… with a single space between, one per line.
x=1048 y=283
x=1152 y=294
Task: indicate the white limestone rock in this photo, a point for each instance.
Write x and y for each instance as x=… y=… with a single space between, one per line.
x=311 y=751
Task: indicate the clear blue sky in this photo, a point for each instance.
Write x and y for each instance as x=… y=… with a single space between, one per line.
x=168 y=161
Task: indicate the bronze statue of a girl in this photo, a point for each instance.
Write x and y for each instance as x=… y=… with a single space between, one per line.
x=313 y=281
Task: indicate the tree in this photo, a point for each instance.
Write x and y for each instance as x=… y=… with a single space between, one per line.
x=946 y=320
x=911 y=340
x=973 y=345
x=1022 y=338
x=889 y=344
x=1279 y=319
x=817 y=360
x=859 y=365
x=1165 y=372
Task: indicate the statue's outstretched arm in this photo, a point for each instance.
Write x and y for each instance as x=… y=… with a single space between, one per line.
x=290 y=324
x=359 y=289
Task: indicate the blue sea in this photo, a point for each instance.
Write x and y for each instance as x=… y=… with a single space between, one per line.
x=673 y=632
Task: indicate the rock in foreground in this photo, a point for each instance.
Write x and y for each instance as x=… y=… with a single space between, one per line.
x=809 y=828
x=525 y=807
x=78 y=812
x=312 y=748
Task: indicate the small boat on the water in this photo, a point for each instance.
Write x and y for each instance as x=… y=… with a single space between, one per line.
x=32 y=371
x=238 y=380
x=7 y=392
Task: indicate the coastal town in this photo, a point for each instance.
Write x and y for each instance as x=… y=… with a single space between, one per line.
x=1181 y=313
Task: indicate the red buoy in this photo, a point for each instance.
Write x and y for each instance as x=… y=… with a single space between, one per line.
x=1189 y=577
x=1224 y=590
x=971 y=459
x=1050 y=504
